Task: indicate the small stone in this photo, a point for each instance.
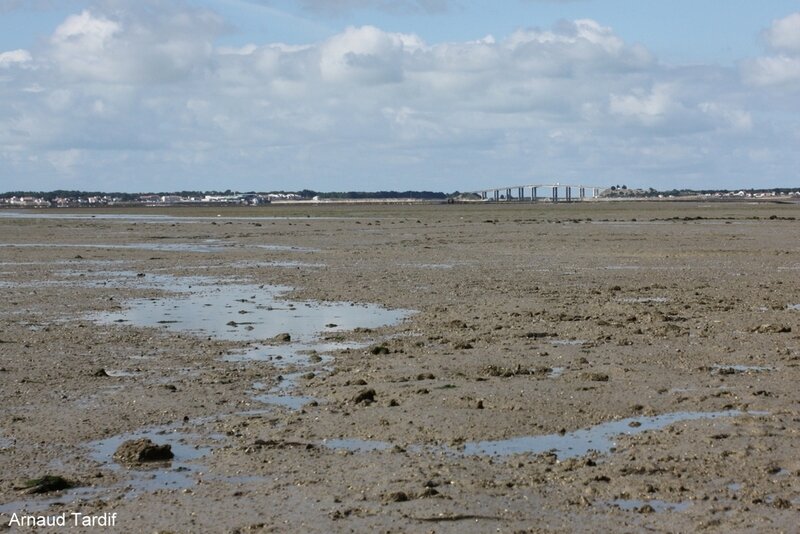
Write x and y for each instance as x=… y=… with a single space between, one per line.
x=142 y=450
x=782 y=504
x=283 y=338
x=398 y=496
x=772 y=329
x=365 y=396
x=46 y=484
x=595 y=377
x=100 y=373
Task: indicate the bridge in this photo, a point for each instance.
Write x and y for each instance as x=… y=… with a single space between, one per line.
x=552 y=192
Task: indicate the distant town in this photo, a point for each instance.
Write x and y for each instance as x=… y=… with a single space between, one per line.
x=72 y=199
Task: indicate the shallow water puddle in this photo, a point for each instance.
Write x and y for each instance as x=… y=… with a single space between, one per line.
x=280 y=395
x=244 y=312
x=642 y=300
x=566 y=342
x=158 y=218
x=176 y=474
x=733 y=369
x=599 y=438
x=794 y=307
x=248 y=312
x=356 y=445
x=631 y=505
x=295 y=353
x=161 y=247
x=288 y=264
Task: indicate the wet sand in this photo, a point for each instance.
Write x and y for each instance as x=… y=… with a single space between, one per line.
x=616 y=366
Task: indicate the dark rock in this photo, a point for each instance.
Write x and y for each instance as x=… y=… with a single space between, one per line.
x=100 y=373
x=142 y=450
x=379 y=349
x=283 y=338
x=595 y=377
x=398 y=496
x=280 y=444
x=782 y=504
x=46 y=484
x=538 y=335
x=429 y=492
x=772 y=329
x=366 y=396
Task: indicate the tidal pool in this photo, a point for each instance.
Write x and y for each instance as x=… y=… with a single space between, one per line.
x=243 y=312
x=178 y=473
x=733 y=369
x=204 y=247
x=655 y=504
x=599 y=438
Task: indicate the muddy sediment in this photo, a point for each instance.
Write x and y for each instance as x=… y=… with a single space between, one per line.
x=455 y=368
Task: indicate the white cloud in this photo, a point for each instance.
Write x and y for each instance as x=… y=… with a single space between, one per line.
x=14 y=58
x=782 y=68
x=341 y=6
x=135 y=48
x=118 y=93
x=648 y=107
x=772 y=70
x=364 y=55
x=784 y=34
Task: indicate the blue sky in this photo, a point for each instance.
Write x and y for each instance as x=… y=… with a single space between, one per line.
x=397 y=94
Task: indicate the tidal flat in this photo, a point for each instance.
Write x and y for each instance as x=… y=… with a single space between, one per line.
x=362 y=368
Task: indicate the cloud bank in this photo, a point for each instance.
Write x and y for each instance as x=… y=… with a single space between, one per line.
x=119 y=98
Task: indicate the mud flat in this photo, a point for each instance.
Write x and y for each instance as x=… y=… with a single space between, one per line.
x=598 y=366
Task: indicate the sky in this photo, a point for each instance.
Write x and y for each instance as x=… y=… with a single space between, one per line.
x=442 y=95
